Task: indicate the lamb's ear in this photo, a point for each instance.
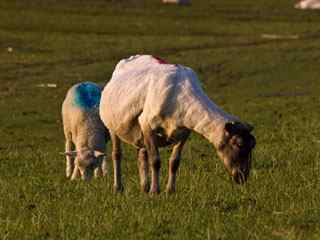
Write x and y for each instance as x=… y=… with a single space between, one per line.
x=69 y=153
x=98 y=153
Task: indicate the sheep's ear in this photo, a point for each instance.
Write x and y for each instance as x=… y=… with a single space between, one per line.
x=230 y=127
x=98 y=153
x=248 y=126
x=69 y=153
x=236 y=127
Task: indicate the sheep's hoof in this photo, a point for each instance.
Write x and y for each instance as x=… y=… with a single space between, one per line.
x=170 y=190
x=118 y=189
x=154 y=191
x=145 y=188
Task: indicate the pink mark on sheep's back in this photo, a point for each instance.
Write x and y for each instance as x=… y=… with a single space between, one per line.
x=160 y=60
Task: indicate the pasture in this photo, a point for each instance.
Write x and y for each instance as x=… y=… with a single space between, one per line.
x=256 y=59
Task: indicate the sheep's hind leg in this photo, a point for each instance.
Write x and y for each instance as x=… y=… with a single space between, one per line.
x=153 y=157
x=116 y=158
x=69 y=159
x=143 y=169
x=174 y=165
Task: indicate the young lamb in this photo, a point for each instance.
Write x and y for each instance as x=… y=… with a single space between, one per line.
x=159 y=104
x=85 y=134
x=308 y=4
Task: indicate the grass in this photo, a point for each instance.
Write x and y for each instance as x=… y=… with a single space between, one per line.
x=272 y=83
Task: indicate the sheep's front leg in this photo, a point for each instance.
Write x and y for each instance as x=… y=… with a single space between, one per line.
x=69 y=159
x=173 y=166
x=116 y=158
x=143 y=169
x=154 y=159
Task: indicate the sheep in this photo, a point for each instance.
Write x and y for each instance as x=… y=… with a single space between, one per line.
x=85 y=134
x=159 y=104
x=308 y=4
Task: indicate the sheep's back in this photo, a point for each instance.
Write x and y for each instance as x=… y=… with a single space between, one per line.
x=139 y=88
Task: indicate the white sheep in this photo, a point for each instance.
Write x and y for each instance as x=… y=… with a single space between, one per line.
x=85 y=134
x=159 y=104
x=308 y=4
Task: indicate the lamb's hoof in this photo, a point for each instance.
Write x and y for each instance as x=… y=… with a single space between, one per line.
x=104 y=173
x=98 y=173
x=68 y=174
x=118 y=189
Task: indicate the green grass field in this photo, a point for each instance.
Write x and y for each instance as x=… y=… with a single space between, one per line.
x=272 y=83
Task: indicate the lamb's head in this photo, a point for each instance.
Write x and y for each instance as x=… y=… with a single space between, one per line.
x=235 y=150
x=87 y=161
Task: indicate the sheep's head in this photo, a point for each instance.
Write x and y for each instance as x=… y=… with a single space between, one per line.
x=235 y=150
x=87 y=161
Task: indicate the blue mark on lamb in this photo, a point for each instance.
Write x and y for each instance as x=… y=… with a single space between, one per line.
x=87 y=95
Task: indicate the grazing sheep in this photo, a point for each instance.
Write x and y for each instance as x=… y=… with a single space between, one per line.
x=308 y=4
x=159 y=104
x=85 y=134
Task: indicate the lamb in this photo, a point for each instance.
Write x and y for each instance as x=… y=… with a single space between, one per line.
x=85 y=134
x=308 y=4
x=159 y=104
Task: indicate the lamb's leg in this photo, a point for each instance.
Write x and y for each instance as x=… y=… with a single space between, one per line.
x=154 y=159
x=143 y=169
x=98 y=172
x=104 y=166
x=69 y=159
x=173 y=166
x=101 y=170
x=116 y=158
x=76 y=173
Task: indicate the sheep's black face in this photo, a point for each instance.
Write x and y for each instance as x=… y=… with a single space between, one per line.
x=235 y=150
